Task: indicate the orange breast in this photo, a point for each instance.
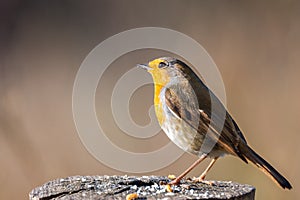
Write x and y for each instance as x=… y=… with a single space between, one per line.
x=158 y=104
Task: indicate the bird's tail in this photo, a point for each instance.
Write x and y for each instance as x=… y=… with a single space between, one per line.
x=257 y=160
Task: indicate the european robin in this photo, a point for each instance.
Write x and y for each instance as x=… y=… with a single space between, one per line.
x=183 y=106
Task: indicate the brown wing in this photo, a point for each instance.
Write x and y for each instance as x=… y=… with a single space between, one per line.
x=228 y=138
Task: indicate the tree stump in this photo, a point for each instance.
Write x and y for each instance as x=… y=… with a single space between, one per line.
x=132 y=187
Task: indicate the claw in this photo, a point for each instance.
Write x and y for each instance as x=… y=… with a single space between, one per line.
x=201 y=180
x=176 y=181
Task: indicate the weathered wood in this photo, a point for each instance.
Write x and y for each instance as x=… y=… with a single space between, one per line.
x=145 y=187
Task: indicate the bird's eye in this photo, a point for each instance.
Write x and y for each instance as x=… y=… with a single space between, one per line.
x=162 y=64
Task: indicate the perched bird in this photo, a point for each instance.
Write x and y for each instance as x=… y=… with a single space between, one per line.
x=196 y=120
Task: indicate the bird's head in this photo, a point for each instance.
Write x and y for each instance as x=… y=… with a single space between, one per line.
x=165 y=69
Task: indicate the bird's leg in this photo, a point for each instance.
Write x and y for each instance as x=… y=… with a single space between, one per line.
x=177 y=180
x=203 y=175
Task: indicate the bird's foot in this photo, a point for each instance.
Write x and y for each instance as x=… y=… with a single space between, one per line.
x=176 y=181
x=201 y=180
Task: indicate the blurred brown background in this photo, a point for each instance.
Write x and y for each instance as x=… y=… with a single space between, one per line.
x=256 y=46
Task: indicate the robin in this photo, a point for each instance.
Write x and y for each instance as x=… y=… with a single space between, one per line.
x=184 y=109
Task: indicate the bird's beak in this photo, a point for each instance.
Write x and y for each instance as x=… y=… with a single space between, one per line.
x=143 y=66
